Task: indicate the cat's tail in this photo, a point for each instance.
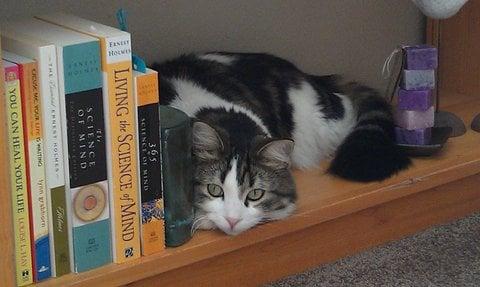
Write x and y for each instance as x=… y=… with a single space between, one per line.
x=369 y=152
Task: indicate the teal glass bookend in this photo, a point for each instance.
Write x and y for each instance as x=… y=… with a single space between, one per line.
x=177 y=174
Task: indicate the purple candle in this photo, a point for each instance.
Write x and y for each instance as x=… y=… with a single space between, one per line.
x=418 y=80
x=419 y=100
x=421 y=57
x=413 y=137
x=412 y=120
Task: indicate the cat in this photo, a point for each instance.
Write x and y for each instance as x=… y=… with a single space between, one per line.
x=255 y=117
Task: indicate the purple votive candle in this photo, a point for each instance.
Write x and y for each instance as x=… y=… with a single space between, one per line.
x=414 y=137
x=412 y=120
x=421 y=57
x=419 y=100
x=418 y=80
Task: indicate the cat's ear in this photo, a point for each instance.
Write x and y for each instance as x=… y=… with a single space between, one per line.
x=276 y=154
x=207 y=144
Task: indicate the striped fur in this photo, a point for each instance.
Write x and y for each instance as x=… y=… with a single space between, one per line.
x=247 y=107
x=369 y=152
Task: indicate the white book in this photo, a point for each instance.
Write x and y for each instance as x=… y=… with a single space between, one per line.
x=120 y=121
x=45 y=55
x=83 y=127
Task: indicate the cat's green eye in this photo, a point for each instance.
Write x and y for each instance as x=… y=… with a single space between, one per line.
x=215 y=190
x=255 y=194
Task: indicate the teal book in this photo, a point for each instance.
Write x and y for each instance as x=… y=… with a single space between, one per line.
x=83 y=132
x=85 y=128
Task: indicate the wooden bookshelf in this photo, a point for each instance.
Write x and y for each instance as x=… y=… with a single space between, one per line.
x=335 y=218
x=458 y=40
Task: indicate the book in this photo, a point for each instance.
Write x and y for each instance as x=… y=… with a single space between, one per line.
x=18 y=180
x=120 y=129
x=6 y=212
x=82 y=124
x=145 y=86
x=35 y=168
x=46 y=57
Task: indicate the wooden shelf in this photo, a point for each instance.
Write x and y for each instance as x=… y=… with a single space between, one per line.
x=335 y=218
x=322 y=199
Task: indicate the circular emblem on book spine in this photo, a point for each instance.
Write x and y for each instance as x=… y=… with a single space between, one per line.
x=89 y=202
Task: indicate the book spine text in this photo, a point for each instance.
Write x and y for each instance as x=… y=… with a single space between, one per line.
x=23 y=255
x=54 y=167
x=121 y=142
x=153 y=234
x=36 y=171
x=85 y=156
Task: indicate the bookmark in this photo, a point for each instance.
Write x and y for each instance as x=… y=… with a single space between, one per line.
x=137 y=62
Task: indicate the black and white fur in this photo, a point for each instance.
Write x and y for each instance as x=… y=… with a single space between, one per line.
x=248 y=106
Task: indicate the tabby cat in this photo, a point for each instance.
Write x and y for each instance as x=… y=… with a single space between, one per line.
x=256 y=116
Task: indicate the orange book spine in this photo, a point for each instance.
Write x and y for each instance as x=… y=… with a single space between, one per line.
x=148 y=127
x=120 y=102
x=26 y=93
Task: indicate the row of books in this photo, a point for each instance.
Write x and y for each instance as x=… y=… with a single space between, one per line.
x=83 y=142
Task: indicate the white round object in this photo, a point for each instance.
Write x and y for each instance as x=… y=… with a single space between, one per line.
x=439 y=9
x=89 y=202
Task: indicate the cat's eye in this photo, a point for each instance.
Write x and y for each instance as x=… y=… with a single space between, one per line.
x=215 y=190
x=255 y=194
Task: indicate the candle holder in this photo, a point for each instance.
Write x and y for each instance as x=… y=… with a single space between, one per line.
x=476 y=124
x=443 y=9
x=421 y=129
x=448 y=119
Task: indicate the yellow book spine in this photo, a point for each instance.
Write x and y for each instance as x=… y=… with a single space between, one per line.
x=8 y=254
x=23 y=255
x=122 y=151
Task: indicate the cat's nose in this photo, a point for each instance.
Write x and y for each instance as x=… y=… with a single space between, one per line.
x=232 y=221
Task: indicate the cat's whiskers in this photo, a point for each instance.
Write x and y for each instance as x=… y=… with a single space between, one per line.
x=197 y=220
x=264 y=220
x=303 y=215
x=198 y=223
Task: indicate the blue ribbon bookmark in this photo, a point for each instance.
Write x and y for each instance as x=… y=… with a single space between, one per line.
x=137 y=62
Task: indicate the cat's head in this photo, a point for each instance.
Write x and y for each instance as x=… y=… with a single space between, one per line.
x=236 y=190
